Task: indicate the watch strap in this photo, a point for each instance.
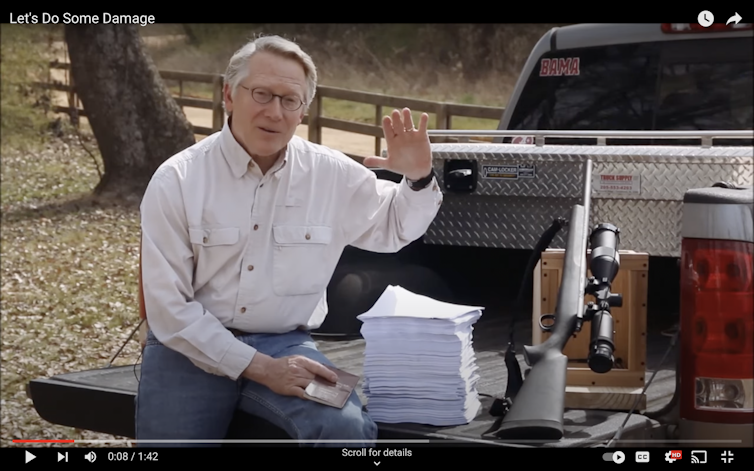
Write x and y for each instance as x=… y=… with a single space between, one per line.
x=422 y=183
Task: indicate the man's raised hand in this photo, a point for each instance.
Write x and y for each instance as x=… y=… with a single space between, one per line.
x=408 y=149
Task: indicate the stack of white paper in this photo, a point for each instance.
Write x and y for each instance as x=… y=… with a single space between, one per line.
x=420 y=365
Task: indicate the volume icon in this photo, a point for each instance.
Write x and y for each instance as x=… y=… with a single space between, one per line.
x=90 y=457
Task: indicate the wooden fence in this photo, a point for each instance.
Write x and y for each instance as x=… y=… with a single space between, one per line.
x=443 y=112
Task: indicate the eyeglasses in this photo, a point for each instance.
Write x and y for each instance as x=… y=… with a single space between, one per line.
x=262 y=96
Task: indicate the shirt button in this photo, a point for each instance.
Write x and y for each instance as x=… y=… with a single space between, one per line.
x=205 y=240
x=256 y=226
x=308 y=237
x=243 y=309
x=250 y=267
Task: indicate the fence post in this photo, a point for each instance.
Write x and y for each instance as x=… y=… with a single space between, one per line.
x=315 y=130
x=378 y=122
x=441 y=120
x=218 y=112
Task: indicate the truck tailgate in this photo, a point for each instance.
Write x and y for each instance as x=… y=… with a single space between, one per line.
x=103 y=399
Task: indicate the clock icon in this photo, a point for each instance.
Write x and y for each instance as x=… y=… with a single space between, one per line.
x=706 y=18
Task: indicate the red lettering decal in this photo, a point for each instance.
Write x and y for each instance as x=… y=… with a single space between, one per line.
x=574 y=69
x=559 y=67
x=564 y=65
x=544 y=70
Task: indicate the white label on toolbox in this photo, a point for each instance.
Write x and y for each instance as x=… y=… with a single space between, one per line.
x=509 y=172
x=620 y=183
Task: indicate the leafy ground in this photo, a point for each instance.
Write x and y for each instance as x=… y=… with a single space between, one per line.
x=68 y=279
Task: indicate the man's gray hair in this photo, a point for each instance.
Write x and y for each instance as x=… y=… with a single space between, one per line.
x=238 y=67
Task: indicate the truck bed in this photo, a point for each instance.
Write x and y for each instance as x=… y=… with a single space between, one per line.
x=103 y=400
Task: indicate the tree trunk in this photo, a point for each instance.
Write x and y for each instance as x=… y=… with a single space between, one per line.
x=137 y=123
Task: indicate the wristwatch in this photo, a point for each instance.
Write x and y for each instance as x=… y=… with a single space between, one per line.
x=422 y=183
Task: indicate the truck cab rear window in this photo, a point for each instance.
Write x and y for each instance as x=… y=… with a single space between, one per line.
x=706 y=90
x=683 y=85
x=613 y=88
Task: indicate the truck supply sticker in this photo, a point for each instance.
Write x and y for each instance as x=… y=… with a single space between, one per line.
x=618 y=183
x=508 y=172
x=522 y=140
x=559 y=66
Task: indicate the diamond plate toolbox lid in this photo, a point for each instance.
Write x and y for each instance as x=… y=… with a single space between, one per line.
x=637 y=172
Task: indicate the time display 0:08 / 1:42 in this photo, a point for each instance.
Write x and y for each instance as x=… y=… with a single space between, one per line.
x=131 y=456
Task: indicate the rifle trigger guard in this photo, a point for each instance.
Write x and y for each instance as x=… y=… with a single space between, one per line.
x=546 y=328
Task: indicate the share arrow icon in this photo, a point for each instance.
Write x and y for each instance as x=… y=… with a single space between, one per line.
x=734 y=19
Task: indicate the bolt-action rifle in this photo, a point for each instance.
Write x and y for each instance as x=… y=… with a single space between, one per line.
x=533 y=407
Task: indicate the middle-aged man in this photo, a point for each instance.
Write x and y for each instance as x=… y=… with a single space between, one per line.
x=241 y=234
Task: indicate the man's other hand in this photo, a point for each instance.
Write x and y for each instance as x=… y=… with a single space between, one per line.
x=288 y=376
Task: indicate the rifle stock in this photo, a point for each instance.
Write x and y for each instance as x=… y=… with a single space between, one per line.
x=537 y=411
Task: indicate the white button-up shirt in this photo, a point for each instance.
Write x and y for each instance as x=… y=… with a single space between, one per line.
x=224 y=246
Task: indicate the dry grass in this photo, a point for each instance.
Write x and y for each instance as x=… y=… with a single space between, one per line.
x=69 y=285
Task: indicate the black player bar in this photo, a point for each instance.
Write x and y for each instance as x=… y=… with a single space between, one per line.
x=385 y=456
x=554 y=13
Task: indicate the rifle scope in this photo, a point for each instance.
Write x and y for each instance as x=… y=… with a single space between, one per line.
x=604 y=264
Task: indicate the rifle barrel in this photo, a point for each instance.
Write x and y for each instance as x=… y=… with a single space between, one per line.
x=587 y=204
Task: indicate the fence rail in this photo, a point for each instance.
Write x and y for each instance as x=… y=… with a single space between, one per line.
x=443 y=112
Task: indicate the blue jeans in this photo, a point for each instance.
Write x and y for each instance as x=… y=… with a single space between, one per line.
x=177 y=400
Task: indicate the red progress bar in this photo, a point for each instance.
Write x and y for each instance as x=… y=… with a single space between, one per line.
x=42 y=441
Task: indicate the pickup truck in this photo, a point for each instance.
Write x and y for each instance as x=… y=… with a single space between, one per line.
x=581 y=89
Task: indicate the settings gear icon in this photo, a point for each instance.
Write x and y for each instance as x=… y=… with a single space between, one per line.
x=668 y=457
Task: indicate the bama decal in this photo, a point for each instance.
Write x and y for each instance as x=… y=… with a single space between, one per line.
x=558 y=67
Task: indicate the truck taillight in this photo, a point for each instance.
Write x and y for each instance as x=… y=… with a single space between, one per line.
x=717 y=331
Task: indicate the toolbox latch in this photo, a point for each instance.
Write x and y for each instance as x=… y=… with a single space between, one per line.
x=460 y=175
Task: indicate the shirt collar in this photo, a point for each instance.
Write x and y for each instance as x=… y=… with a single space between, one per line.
x=238 y=159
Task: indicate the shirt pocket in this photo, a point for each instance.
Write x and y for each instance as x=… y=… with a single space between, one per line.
x=300 y=259
x=214 y=248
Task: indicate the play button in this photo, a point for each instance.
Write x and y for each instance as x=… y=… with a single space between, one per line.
x=29 y=457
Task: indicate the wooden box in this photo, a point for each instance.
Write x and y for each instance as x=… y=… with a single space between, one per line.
x=618 y=388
